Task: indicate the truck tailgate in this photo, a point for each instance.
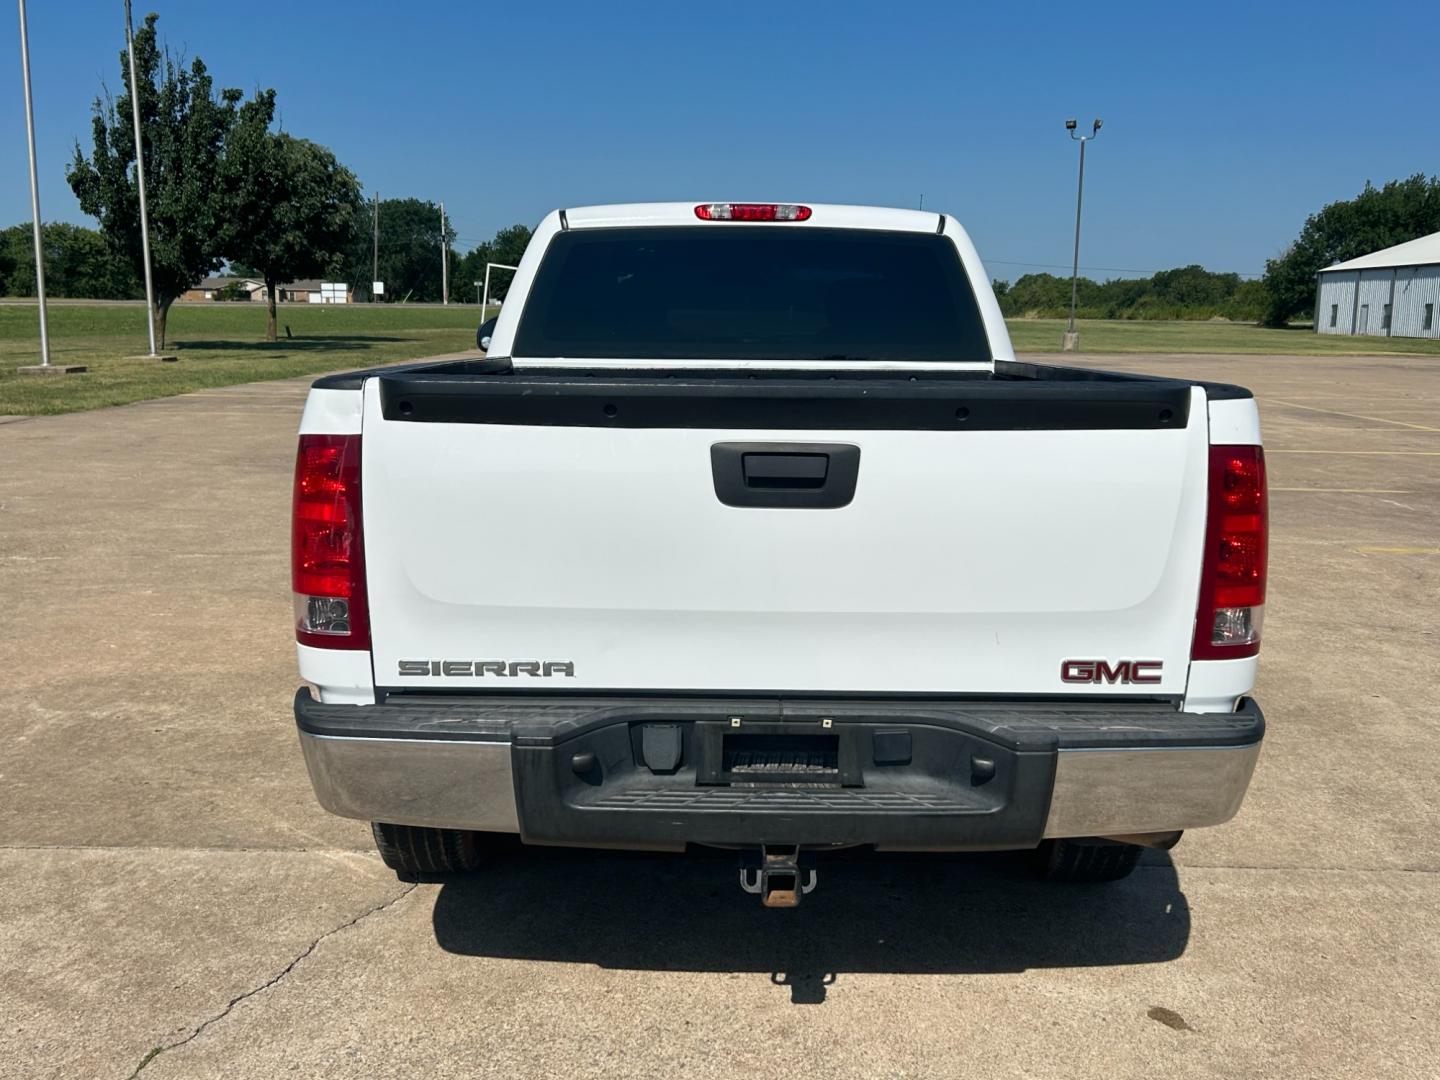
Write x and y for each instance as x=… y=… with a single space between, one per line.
x=533 y=543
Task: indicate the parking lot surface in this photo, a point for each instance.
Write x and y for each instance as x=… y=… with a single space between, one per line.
x=167 y=882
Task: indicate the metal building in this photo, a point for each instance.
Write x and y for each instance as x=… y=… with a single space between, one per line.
x=1390 y=293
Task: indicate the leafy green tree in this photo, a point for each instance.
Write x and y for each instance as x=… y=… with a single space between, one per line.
x=232 y=293
x=1121 y=298
x=291 y=207
x=506 y=248
x=1187 y=292
x=1193 y=287
x=183 y=123
x=79 y=262
x=8 y=263
x=1249 y=301
x=1376 y=218
x=1044 y=295
x=409 y=250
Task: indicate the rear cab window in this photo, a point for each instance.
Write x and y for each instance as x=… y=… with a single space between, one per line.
x=746 y=292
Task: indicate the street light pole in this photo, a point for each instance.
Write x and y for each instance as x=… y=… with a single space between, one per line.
x=1071 y=340
x=140 y=177
x=34 y=192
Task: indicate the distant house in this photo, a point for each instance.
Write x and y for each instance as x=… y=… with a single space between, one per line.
x=251 y=288
x=317 y=292
x=298 y=292
x=292 y=292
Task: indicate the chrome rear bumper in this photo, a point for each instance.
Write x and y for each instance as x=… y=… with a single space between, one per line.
x=1112 y=792
x=453 y=785
x=455 y=766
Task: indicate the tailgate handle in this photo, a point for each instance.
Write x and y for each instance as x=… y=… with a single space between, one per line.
x=784 y=471
x=815 y=476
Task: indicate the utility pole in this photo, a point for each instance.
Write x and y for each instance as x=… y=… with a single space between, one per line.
x=444 y=260
x=375 y=249
x=140 y=176
x=1071 y=341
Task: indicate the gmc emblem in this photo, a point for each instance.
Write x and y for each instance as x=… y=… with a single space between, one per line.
x=1101 y=671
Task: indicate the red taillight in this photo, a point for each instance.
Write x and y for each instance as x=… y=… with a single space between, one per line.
x=327 y=553
x=1232 y=581
x=737 y=211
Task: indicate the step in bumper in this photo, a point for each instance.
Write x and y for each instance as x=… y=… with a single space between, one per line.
x=655 y=773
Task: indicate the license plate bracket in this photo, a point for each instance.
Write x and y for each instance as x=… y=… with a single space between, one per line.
x=777 y=753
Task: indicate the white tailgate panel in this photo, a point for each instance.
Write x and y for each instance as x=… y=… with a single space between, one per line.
x=968 y=562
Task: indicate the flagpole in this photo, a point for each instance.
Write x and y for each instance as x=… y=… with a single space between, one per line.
x=140 y=176
x=34 y=192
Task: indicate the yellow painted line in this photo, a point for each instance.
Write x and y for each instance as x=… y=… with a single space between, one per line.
x=1377 y=453
x=1397 y=551
x=1352 y=416
x=1349 y=491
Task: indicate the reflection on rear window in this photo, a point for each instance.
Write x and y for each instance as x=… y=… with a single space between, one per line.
x=738 y=292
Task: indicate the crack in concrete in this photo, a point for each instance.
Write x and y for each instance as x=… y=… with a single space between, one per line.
x=195 y=1032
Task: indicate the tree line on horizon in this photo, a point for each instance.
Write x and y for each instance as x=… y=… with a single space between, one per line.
x=1187 y=292
x=81 y=263
x=226 y=189
x=1377 y=218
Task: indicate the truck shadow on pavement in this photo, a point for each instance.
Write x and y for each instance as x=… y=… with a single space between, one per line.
x=902 y=914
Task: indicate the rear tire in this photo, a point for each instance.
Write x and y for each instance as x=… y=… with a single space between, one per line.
x=414 y=851
x=1080 y=861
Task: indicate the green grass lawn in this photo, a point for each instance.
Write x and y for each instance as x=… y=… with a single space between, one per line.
x=222 y=344
x=1134 y=335
x=218 y=345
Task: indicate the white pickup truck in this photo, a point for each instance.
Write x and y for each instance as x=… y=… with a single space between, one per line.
x=750 y=531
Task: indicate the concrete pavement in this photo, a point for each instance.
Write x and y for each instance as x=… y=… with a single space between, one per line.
x=166 y=880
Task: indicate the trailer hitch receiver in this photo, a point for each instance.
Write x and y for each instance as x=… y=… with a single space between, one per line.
x=779 y=874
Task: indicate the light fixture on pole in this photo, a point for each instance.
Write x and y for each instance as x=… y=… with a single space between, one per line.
x=140 y=179
x=1071 y=340
x=44 y=367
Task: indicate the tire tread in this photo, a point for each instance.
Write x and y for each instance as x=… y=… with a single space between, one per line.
x=1082 y=861
x=413 y=851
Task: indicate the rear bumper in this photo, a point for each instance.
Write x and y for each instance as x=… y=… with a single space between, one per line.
x=658 y=774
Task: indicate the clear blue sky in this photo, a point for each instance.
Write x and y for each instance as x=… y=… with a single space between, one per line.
x=1225 y=124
